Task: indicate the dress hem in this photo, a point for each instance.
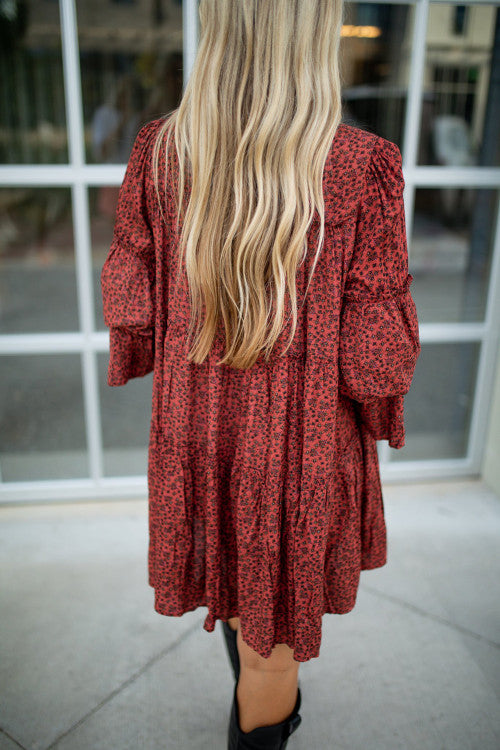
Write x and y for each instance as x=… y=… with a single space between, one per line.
x=300 y=655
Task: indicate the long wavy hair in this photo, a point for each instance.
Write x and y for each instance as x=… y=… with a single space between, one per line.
x=252 y=134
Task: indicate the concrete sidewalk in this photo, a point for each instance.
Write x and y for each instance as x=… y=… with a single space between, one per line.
x=87 y=664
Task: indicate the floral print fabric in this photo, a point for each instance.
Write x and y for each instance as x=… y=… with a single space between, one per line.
x=264 y=489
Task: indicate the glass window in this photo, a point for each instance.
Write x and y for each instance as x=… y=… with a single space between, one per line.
x=102 y=217
x=42 y=427
x=32 y=108
x=439 y=404
x=375 y=55
x=126 y=416
x=450 y=252
x=37 y=262
x=461 y=86
x=131 y=67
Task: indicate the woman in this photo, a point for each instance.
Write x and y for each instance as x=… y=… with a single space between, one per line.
x=253 y=219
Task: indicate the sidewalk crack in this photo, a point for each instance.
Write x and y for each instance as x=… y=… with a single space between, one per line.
x=125 y=683
x=430 y=616
x=12 y=739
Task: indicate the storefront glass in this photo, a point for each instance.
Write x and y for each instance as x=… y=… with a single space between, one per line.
x=125 y=414
x=37 y=261
x=80 y=77
x=131 y=67
x=461 y=108
x=375 y=48
x=451 y=248
x=42 y=425
x=438 y=407
x=32 y=109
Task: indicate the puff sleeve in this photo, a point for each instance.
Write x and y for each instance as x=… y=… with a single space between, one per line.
x=379 y=338
x=128 y=273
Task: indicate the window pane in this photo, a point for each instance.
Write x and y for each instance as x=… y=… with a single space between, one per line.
x=131 y=66
x=450 y=252
x=32 y=109
x=42 y=427
x=461 y=105
x=37 y=262
x=439 y=403
x=375 y=55
x=101 y=232
x=126 y=417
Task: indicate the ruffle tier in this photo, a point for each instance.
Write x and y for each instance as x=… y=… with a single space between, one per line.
x=277 y=531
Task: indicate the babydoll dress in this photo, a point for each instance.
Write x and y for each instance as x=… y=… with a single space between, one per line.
x=264 y=491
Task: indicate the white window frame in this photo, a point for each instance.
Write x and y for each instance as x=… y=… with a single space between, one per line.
x=88 y=342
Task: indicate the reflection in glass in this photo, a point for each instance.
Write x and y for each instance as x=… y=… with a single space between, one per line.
x=37 y=262
x=132 y=72
x=460 y=108
x=32 y=108
x=450 y=252
x=101 y=233
x=131 y=67
x=375 y=53
x=439 y=404
x=42 y=428
x=125 y=416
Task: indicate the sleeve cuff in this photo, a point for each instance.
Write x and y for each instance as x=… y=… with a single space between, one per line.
x=131 y=355
x=384 y=417
x=379 y=347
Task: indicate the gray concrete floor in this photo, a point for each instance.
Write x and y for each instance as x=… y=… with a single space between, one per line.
x=87 y=664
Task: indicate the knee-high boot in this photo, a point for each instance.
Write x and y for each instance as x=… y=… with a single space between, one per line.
x=273 y=737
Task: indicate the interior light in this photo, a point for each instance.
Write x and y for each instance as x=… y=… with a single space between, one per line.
x=367 y=32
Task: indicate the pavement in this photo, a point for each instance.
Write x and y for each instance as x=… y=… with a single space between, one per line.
x=87 y=664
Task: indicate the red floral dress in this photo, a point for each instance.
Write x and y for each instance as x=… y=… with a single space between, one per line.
x=264 y=489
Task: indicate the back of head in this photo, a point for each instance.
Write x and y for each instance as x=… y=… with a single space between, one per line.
x=252 y=135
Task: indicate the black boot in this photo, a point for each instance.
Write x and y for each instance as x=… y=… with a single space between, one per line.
x=232 y=648
x=274 y=737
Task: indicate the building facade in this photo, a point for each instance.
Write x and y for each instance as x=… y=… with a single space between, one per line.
x=79 y=77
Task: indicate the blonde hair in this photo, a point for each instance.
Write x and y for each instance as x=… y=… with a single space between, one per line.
x=252 y=134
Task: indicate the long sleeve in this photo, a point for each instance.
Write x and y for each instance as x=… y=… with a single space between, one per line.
x=128 y=273
x=379 y=338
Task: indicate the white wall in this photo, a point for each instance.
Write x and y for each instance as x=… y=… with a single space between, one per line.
x=491 y=461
